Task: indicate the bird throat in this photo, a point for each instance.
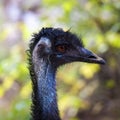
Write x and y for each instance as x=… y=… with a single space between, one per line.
x=45 y=91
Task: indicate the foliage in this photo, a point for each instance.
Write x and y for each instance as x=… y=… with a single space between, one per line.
x=84 y=88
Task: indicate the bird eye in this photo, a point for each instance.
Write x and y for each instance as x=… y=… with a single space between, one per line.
x=61 y=48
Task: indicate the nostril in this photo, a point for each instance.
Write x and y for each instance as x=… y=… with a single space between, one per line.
x=92 y=56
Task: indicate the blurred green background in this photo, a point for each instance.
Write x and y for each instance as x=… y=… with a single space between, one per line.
x=85 y=91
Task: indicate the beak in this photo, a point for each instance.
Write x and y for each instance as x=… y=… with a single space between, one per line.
x=88 y=56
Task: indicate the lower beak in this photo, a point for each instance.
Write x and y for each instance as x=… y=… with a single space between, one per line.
x=88 y=56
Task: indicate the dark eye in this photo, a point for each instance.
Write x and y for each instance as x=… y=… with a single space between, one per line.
x=61 y=48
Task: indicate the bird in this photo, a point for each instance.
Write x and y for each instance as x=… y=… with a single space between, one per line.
x=49 y=49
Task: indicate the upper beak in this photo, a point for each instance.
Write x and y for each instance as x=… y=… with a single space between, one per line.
x=88 y=56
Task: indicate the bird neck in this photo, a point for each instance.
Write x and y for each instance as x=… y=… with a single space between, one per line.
x=44 y=92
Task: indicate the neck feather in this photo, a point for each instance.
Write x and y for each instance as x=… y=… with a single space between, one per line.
x=44 y=92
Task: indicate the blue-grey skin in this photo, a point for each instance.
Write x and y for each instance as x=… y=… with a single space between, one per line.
x=44 y=59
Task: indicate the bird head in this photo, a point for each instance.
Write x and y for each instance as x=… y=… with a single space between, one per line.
x=60 y=47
